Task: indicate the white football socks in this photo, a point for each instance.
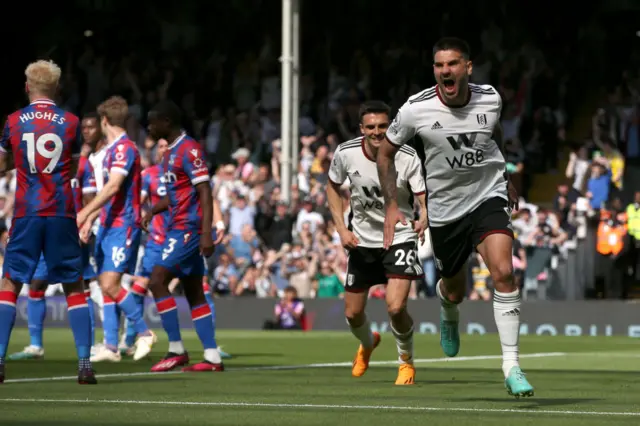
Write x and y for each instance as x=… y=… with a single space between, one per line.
x=212 y=355
x=448 y=309
x=363 y=333
x=404 y=343
x=176 y=347
x=506 y=311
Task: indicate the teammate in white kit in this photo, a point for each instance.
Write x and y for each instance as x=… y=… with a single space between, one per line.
x=470 y=197
x=369 y=263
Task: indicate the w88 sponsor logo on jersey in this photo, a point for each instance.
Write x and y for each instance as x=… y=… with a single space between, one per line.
x=374 y=198
x=465 y=154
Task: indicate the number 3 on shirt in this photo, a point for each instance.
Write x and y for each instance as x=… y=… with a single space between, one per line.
x=39 y=147
x=167 y=251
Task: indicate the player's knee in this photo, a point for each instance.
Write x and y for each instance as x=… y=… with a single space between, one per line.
x=354 y=315
x=455 y=288
x=7 y=284
x=38 y=285
x=396 y=308
x=109 y=286
x=502 y=273
x=76 y=287
x=157 y=289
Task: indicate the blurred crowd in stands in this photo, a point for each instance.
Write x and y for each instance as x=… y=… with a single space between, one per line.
x=229 y=89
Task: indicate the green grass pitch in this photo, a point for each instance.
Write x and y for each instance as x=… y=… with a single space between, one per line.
x=282 y=378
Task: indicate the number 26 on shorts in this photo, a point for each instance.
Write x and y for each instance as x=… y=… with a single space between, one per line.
x=403 y=257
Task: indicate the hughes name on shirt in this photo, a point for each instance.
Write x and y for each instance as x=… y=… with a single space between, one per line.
x=40 y=115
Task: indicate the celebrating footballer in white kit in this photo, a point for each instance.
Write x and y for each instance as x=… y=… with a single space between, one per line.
x=470 y=198
x=369 y=263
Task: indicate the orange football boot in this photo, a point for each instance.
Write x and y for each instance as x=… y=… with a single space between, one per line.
x=406 y=374
x=361 y=361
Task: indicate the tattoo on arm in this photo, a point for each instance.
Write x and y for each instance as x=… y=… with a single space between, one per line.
x=387 y=175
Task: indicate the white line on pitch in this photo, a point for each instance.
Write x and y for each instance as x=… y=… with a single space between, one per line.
x=292 y=367
x=394 y=362
x=322 y=406
x=616 y=354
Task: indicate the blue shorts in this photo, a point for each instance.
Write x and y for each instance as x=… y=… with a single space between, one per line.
x=54 y=240
x=117 y=249
x=41 y=273
x=88 y=261
x=181 y=254
x=152 y=255
x=88 y=267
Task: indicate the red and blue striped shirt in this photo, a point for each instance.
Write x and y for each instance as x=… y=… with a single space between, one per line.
x=123 y=210
x=184 y=167
x=154 y=188
x=43 y=139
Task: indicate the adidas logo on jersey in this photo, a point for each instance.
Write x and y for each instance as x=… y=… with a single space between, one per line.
x=356 y=173
x=436 y=126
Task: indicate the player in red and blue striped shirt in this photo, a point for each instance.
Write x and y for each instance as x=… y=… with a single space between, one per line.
x=188 y=238
x=42 y=141
x=153 y=191
x=118 y=204
x=84 y=189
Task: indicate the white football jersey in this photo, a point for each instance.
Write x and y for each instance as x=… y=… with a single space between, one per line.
x=463 y=162
x=97 y=162
x=366 y=218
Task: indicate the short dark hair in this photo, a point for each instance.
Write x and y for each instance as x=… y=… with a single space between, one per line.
x=374 y=107
x=170 y=111
x=91 y=115
x=452 y=43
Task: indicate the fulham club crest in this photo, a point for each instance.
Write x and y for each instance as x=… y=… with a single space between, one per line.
x=482 y=119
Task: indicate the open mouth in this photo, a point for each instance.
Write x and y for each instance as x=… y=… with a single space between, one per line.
x=449 y=85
